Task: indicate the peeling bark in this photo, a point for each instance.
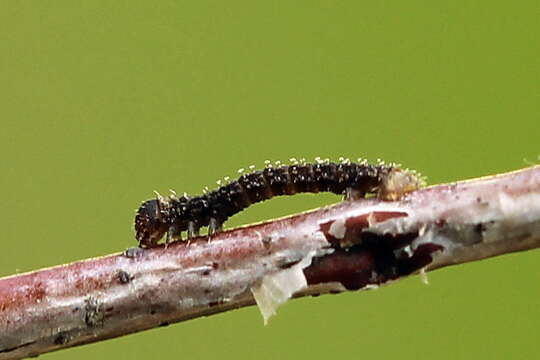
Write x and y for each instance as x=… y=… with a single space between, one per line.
x=349 y=246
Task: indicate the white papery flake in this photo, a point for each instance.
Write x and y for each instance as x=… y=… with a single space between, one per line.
x=338 y=229
x=275 y=289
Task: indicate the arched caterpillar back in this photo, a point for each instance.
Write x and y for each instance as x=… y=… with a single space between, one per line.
x=173 y=215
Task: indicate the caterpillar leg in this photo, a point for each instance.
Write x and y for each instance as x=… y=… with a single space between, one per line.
x=173 y=234
x=352 y=194
x=214 y=226
x=192 y=230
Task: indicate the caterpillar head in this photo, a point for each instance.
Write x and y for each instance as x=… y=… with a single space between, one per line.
x=151 y=222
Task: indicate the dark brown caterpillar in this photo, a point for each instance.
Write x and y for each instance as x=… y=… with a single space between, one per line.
x=173 y=215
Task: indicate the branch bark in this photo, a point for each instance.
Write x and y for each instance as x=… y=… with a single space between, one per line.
x=348 y=246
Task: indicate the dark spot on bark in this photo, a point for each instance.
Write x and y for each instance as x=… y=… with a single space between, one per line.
x=62 y=338
x=134 y=252
x=206 y=272
x=480 y=228
x=93 y=314
x=153 y=312
x=215 y=265
x=124 y=277
x=267 y=242
x=164 y=324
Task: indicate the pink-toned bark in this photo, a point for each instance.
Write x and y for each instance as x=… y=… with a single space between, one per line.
x=349 y=246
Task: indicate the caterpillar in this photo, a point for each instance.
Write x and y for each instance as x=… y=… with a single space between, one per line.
x=173 y=215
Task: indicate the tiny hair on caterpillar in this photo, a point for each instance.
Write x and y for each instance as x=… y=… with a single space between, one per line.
x=173 y=215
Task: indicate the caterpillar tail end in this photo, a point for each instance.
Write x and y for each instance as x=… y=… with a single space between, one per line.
x=399 y=182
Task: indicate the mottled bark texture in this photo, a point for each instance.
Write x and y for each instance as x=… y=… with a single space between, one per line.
x=349 y=246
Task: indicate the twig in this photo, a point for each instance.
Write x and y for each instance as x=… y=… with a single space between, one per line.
x=349 y=246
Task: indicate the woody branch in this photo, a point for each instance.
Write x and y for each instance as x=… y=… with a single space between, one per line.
x=350 y=246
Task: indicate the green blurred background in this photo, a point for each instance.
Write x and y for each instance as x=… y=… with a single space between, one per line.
x=103 y=102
